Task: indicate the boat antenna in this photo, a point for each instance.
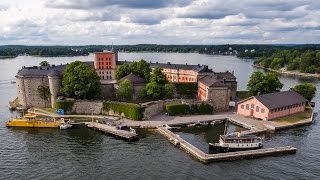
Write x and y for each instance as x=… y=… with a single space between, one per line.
x=225 y=128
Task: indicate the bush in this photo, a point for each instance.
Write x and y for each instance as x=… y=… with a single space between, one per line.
x=185 y=109
x=132 y=111
x=186 y=90
x=177 y=109
x=65 y=105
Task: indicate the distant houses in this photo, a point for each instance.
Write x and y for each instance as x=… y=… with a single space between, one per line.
x=273 y=105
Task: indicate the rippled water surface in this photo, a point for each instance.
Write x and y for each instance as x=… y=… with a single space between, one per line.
x=85 y=154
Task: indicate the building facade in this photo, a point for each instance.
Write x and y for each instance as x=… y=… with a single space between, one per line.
x=272 y=106
x=215 y=92
x=105 y=64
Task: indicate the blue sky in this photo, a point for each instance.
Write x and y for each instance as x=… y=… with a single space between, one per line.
x=82 y=22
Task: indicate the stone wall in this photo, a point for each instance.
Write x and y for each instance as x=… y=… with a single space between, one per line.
x=156 y=107
x=87 y=107
x=219 y=98
x=107 y=91
x=28 y=94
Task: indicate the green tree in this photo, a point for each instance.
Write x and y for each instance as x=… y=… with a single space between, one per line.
x=260 y=83
x=44 y=63
x=306 y=90
x=80 y=81
x=123 y=71
x=125 y=89
x=158 y=76
x=153 y=90
x=141 y=69
x=44 y=92
x=168 y=90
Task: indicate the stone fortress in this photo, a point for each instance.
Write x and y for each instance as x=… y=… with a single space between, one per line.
x=217 y=88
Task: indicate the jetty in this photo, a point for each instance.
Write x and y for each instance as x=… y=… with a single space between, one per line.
x=206 y=158
x=128 y=135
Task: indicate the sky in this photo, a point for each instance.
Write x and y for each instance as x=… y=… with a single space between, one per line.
x=101 y=22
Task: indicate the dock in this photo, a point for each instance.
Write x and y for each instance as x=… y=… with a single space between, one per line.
x=130 y=136
x=206 y=158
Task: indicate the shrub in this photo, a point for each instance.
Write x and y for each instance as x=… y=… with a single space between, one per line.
x=65 y=105
x=186 y=90
x=130 y=110
x=185 y=109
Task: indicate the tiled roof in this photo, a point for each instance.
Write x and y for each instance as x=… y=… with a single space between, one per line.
x=281 y=99
x=134 y=79
x=227 y=75
x=211 y=81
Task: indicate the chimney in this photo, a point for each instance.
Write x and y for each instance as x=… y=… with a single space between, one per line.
x=199 y=65
x=232 y=72
x=125 y=60
x=169 y=63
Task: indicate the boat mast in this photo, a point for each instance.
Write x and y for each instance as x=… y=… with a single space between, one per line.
x=225 y=128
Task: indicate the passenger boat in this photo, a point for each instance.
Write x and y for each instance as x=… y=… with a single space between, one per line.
x=31 y=120
x=65 y=125
x=236 y=142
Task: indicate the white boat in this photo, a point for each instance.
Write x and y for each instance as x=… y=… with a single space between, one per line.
x=191 y=125
x=203 y=123
x=65 y=125
x=236 y=142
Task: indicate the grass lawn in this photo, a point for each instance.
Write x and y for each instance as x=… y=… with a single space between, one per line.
x=287 y=120
x=50 y=110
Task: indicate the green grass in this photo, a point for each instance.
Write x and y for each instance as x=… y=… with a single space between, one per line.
x=50 y=110
x=295 y=118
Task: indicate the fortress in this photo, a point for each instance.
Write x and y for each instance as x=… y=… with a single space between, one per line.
x=215 y=87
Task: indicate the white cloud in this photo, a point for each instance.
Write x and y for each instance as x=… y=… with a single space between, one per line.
x=71 y=22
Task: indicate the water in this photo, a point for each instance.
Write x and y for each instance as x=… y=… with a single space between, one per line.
x=86 y=154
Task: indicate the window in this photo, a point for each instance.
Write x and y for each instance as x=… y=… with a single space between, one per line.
x=247 y=106
x=262 y=110
x=110 y=77
x=252 y=105
x=270 y=110
x=242 y=106
x=257 y=108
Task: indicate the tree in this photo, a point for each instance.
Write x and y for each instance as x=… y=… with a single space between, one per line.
x=80 y=81
x=306 y=90
x=260 y=83
x=123 y=71
x=168 y=90
x=44 y=92
x=153 y=90
x=125 y=90
x=44 y=63
x=140 y=68
x=158 y=76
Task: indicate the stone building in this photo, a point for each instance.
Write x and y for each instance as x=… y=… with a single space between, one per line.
x=138 y=84
x=215 y=92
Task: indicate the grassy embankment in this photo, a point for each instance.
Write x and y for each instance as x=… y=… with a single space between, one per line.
x=295 y=118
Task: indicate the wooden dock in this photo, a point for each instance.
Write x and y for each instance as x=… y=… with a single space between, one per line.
x=131 y=136
x=206 y=158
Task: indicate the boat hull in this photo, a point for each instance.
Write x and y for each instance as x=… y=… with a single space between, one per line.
x=32 y=124
x=220 y=149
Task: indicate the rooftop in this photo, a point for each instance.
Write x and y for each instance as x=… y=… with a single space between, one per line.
x=211 y=81
x=279 y=99
x=133 y=78
x=55 y=70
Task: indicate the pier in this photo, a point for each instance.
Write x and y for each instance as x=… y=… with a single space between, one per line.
x=206 y=158
x=130 y=136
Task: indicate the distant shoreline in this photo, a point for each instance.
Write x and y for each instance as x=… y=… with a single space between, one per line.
x=289 y=73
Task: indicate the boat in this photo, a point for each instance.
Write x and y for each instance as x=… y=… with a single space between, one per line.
x=65 y=125
x=191 y=125
x=31 y=120
x=203 y=123
x=236 y=142
x=170 y=127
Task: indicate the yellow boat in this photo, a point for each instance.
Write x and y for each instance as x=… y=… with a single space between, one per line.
x=30 y=120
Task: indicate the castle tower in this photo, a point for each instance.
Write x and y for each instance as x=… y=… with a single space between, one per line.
x=105 y=65
x=54 y=85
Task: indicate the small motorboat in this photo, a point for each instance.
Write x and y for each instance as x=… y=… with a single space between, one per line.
x=65 y=125
x=191 y=125
x=203 y=123
x=236 y=142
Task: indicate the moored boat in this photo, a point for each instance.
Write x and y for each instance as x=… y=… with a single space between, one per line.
x=236 y=142
x=31 y=120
